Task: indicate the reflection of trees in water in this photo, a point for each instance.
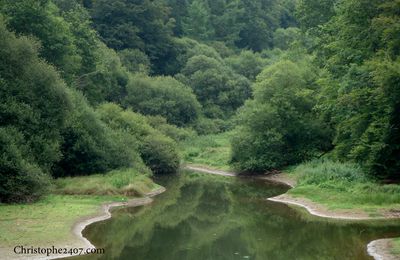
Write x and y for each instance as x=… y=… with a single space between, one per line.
x=205 y=217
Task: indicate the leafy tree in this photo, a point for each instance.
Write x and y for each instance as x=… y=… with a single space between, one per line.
x=197 y=24
x=260 y=19
x=33 y=110
x=90 y=146
x=218 y=89
x=143 y=25
x=135 y=61
x=108 y=82
x=158 y=151
x=247 y=63
x=163 y=96
x=284 y=38
x=40 y=19
x=278 y=127
x=312 y=13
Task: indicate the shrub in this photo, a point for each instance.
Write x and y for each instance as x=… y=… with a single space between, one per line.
x=162 y=96
x=160 y=154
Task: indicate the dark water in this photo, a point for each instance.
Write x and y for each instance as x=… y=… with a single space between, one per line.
x=211 y=217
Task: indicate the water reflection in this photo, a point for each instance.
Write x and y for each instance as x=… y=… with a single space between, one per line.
x=211 y=217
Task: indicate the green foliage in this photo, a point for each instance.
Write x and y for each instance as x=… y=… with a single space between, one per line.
x=312 y=13
x=90 y=146
x=135 y=61
x=321 y=171
x=158 y=152
x=284 y=38
x=21 y=178
x=39 y=18
x=247 y=63
x=126 y=182
x=360 y=93
x=163 y=96
x=217 y=87
x=108 y=82
x=33 y=109
x=278 y=127
x=322 y=180
x=142 y=25
x=213 y=150
x=197 y=24
x=176 y=133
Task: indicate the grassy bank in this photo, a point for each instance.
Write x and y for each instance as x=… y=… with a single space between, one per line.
x=126 y=182
x=344 y=186
x=208 y=150
x=50 y=220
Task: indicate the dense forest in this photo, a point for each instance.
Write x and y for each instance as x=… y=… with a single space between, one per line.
x=90 y=86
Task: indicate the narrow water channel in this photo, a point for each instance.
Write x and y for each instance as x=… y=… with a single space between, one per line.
x=203 y=216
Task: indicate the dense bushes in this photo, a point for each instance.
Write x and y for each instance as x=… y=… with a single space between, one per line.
x=158 y=152
x=90 y=146
x=33 y=110
x=217 y=87
x=163 y=96
x=21 y=177
x=278 y=127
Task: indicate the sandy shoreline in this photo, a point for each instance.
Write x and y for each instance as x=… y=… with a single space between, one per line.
x=79 y=240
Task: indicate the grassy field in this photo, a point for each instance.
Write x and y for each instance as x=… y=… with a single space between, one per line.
x=343 y=186
x=208 y=150
x=49 y=221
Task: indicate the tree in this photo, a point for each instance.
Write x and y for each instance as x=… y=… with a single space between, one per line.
x=90 y=146
x=40 y=19
x=247 y=63
x=218 y=89
x=135 y=61
x=143 y=25
x=163 y=96
x=33 y=109
x=278 y=127
x=159 y=152
x=197 y=24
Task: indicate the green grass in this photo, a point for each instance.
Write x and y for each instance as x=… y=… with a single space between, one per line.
x=343 y=186
x=48 y=221
x=395 y=250
x=208 y=150
x=127 y=182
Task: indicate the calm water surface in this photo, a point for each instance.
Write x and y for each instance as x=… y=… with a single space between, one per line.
x=211 y=217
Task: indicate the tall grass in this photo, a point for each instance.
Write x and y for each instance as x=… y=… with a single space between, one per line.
x=126 y=182
x=210 y=150
x=321 y=171
x=343 y=185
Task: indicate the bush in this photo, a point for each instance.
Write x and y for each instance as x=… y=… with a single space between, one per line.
x=160 y=154
x=279 y=126
x=176 y=133
x=33 y=109
x=21 y=178
x=162 y=96
x=135 y=61
x=90 y=146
